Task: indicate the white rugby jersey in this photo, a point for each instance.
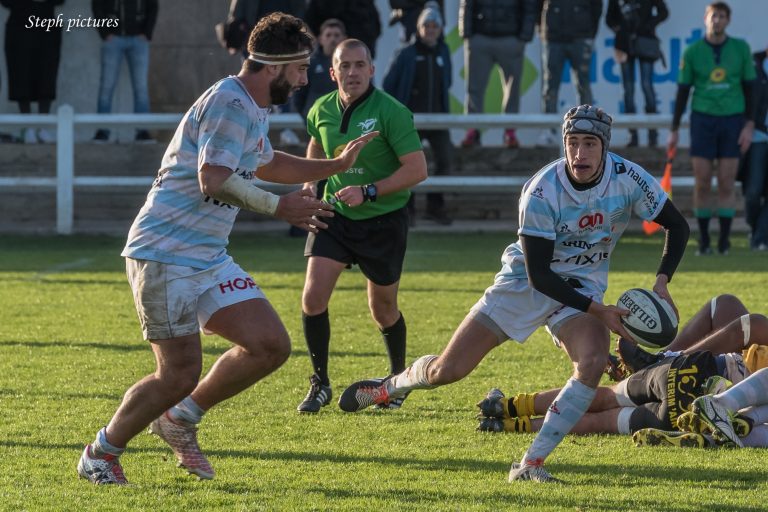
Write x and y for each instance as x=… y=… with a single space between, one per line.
x=178 y=224
x=586 y=224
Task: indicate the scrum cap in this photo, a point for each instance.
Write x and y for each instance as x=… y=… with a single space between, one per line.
x=590 y=120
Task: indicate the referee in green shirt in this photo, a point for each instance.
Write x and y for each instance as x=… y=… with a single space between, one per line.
x=719 y=68
x=370 y=227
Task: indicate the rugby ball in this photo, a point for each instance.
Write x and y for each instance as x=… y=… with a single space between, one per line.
x=651 y=321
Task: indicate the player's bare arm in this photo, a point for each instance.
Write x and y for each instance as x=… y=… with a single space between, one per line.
x=290 y=169
x=413 y=170
x=299 y=208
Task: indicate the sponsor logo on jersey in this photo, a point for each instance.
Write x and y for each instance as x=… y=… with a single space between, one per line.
x=367 y=126
x=236 y=284
x=651 y=201
x=236 y=103
x=584 y=259
x=619 y=167
x=581 y=244
x=538 y=192
x=591 y=220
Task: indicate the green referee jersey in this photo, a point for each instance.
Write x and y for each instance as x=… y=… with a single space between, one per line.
x=332 y=126
x=716 y=82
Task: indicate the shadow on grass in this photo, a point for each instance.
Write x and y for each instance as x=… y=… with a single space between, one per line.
x=141 y=346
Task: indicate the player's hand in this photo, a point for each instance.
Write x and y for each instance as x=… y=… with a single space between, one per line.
x=660 y=289
x=347 y=157
x=351 y=196
x=672 y=140
x=303 y=210
x=610 y=316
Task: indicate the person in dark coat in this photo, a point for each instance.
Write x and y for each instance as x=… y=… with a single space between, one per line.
x=630 y=20
x=359 y=16
x=32 y=56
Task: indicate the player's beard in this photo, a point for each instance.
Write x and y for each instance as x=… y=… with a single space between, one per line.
x=280 y=90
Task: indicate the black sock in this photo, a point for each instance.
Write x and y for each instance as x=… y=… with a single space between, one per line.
x=724 y=242
x=394 y=339
x=703 y=231
x=317 y=333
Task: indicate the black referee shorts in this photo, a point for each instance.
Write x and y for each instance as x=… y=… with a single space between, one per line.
x=377 y=245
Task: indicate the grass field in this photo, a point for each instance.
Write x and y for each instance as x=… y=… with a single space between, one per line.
x=70 y=345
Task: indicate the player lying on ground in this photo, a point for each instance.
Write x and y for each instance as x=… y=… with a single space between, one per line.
x=723 y=325
x=572 y=214
x=646 y=399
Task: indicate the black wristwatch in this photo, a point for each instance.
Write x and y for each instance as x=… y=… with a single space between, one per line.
x=369 y=192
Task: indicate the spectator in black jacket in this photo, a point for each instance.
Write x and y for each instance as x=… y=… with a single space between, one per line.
x=494 y=32
x=319 y=82
x=420 y=77
x=128 y=38
x=359 y=16
x=32 y=57
x=567 y=29
x=755 y=165
x=635 y=21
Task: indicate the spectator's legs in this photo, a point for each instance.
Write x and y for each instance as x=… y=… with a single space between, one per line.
x=478 y=62
x=580 y=55
x=509 y=53
x=552 y=63
x=702 y=173
x=628 y=81
x=137 y=55
x=442 y=153
x=756 y=208
x=111 y=58
x=646 y=83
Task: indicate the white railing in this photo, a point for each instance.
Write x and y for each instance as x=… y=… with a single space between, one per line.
x=65 y=120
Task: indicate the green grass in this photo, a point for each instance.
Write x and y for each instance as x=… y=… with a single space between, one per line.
x=70 y=345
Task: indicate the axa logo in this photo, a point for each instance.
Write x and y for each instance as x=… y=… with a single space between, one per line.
x=367 y=126
x=591 y=220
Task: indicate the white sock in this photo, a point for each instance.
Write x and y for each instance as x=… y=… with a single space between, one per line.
x=101 y=447
x=751 y=391
x=758 y=438
x=413 y=377
x=186 y=411
x=566 y=410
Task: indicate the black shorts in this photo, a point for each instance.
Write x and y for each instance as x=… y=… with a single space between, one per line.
x=714 y=137
x=665 y=390
x=377 y=245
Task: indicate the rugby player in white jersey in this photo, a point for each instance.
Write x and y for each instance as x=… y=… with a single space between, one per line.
x=180 y=273
x=572 y=213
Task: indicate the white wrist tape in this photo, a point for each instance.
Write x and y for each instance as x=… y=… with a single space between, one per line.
x=239 y=192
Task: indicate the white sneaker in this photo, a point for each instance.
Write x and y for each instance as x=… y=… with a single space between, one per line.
x=547 y=138
x=46 y=136
x=100 y=471
x=29 y=136
x=533 y=473
x=288 y=138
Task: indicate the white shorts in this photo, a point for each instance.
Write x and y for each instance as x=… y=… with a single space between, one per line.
x=174 y=301
x=518 y=310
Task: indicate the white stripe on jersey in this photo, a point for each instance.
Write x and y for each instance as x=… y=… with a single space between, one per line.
x=585 y=225
x=178 y=224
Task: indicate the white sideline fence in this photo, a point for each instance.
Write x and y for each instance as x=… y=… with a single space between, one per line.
x=65 y=120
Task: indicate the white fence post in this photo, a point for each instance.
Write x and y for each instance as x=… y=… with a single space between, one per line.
x=65 y=169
